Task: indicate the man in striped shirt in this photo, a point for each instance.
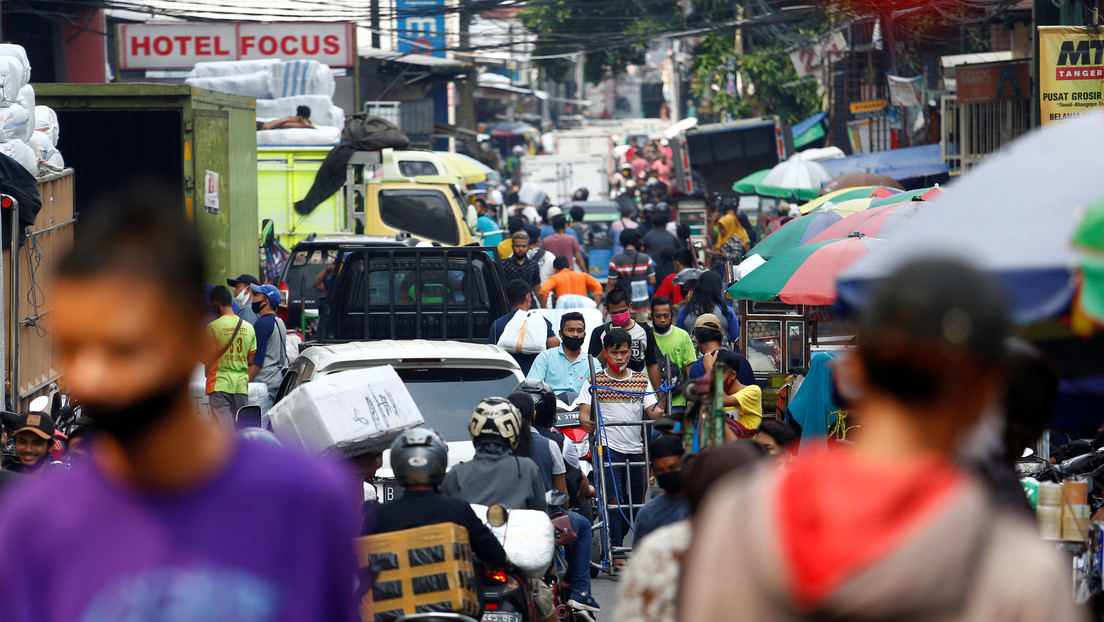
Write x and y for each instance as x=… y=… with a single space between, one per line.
x=633 y=271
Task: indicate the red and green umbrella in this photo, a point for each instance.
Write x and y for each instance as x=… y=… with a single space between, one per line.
x=925 y=194
x=876 y=222
x=800 y=230
x=805 y=275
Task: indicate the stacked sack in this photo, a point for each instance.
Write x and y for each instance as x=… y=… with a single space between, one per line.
x=280 y=88
x=17 y=108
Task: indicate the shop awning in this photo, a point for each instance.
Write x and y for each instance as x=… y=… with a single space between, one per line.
x=809 y=130
x=900 y=164
x=391 y=62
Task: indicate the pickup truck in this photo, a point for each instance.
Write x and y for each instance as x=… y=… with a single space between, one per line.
x=380 y=290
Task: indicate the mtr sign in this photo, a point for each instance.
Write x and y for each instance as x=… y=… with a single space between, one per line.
x=181 y=46
x=1080 y=60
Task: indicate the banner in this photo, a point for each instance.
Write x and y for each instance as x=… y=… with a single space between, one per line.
x=420 y=26
x=1071 y=72
x=906 y=92
x=993 y=82
x=827 y=49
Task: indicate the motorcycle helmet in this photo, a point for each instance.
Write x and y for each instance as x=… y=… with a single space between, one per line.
x=687 y=276
x=496 y=420
x=544 y=415
x=419 y=456
x=259 y=435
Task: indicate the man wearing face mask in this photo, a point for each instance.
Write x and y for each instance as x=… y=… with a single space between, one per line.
x=642 y=348
x=232 y=344
x=271 y=358
x=564 y=368
x=243 y=295
x=669 y=507
x=171 y=517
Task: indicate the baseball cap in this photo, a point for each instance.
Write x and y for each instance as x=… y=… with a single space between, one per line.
x=248 y=279
x=269 y=292
x=38 y=422
x=708 y=320
x=553 y=211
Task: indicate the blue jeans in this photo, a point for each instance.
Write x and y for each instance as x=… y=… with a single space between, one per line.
x=577 y=553
x=625 y=485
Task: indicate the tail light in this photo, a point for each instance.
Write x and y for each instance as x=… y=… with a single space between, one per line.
x=502 y=577
x=282 y=308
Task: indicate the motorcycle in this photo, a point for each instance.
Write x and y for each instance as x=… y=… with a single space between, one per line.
x=528 y=539
x=556 y=576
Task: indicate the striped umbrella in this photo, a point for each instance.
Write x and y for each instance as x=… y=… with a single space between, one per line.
x=876 y=222
x=799 y=230
x=805 y=275
x=926 y=194
x=864 y=192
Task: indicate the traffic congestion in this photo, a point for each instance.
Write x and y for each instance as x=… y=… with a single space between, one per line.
x=739 y=321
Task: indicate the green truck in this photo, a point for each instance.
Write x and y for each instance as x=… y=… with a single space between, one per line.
x=202 y=145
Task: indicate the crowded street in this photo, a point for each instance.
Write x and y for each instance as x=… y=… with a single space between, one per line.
x=551 y=311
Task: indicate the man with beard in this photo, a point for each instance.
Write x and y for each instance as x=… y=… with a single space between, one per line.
x=519 y=266
x=171 y=518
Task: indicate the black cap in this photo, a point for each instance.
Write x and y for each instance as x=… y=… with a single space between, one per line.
x=248 y=279
x=39 y=423
x=666 y=445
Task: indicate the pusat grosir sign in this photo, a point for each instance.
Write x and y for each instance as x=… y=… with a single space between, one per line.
x=1071 y=72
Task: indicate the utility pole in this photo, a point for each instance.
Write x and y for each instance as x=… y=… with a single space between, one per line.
x=374 y=17
x=465 y=107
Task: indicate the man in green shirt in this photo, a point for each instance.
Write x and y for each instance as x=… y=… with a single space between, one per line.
x=232 y=346
x=672 y=341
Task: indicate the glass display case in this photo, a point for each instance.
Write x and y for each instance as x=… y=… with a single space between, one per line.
x=775 y=337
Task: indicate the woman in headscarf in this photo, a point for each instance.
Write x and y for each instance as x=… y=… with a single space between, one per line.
x=812 y=407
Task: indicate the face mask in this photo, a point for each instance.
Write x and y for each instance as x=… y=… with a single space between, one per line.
x=243 y=298
x=128 y=423
x=573 y=343
x=619 y=319
x=670 y=482
x=614 y=368
x=257 y=306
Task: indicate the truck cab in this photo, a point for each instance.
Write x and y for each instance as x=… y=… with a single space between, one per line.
x=428 y=207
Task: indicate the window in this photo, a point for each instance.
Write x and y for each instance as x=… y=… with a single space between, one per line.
x=424 y=213
x=415 y=168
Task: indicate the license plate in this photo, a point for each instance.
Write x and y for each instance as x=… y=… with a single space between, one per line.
x=501 y=616
x=567 y=419
x=391 y=492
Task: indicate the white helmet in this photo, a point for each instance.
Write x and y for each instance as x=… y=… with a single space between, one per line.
x=496 y=419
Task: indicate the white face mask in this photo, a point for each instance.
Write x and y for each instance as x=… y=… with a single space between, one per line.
x=244 y=297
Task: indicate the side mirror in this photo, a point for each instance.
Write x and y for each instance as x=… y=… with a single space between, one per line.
x=556 y=497
x=40 y=403
x=497 y=515
x=248 y=417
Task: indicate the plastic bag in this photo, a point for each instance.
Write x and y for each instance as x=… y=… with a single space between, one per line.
x=14 y=122
x=17 y=52
x=46 y=121
x=224 y=68
x=525 y=333
x=27 y=100
x=300 y=77
x=21 y=153
x=12 y=78
x=250 y=84
x=527 y=536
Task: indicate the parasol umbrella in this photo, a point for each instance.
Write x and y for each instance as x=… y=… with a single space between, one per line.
x=1089 y=238
x=469 y=169
x=859 y=180
x=846 y=194
x=926 y=194
x=753 y=184
x=877 y=222
x=1012 y=216
x=804 y=275
x=796 y=172
x=799 y=230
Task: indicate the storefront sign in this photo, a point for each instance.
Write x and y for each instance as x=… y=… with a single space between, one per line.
x=868 y=106
x=420 y=26
x=992 y=82
x=181 y=46
x=827 y=49
x=1071 y=72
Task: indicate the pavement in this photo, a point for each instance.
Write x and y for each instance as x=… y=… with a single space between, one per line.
x=605 y=592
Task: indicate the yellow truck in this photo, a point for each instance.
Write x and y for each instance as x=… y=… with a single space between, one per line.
x=390 y=192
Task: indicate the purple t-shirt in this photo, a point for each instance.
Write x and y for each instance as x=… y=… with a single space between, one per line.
x=271 y=538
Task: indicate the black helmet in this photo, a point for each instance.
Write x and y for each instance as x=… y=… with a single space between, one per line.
x=495 y=419
x=419 y=456
x=544 y=415
x=580 y=194
x=687 y=276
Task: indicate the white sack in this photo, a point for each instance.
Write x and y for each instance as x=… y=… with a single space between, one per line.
x=525 y=333
x=337 y=116
x=300 y=77
x=12 y=78
x=223 y=68
x=45 y=151
x=311 y=136
x=321 y=106
x=14 y=122
x=350 y=413
x=250 y=84
x=46 y=121
x=527 y=536
x=22 y=153
x=27 y=100
x=17 y=52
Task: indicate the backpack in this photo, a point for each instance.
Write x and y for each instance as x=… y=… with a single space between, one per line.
x=625 y=284
x=525 y=333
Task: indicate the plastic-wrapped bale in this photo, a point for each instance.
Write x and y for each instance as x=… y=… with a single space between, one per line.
x=12 y=78
x=320 y=135
x=46 y=152
x=250 y=84
x=421 y=570
x=46 y=121
x=27 y=100
x=323 y=111
x=17 y=52
x=21 y=152
x=352 y=413
x=223 y=68
x=14 y=121
x=300 y=77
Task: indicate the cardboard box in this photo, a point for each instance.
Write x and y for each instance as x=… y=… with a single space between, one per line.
x=351 y=413
x=428 y=569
